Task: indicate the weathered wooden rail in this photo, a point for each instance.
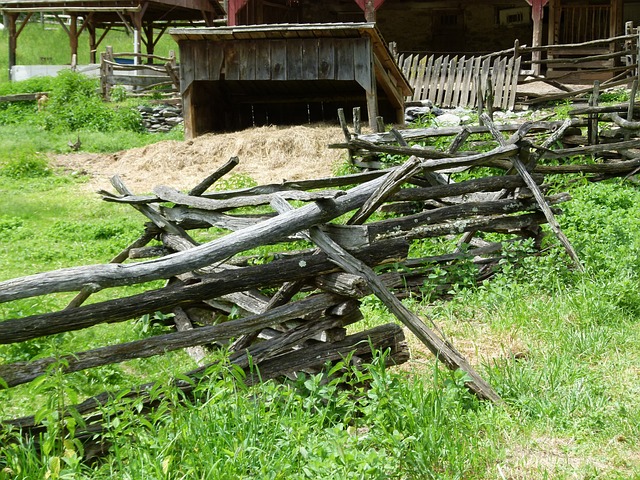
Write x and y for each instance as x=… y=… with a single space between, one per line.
x=143 y=74
x=608 y=59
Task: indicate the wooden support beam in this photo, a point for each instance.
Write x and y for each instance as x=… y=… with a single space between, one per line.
x=537 y=14
x=14 y=32
x=73 y=36
x=93 y=46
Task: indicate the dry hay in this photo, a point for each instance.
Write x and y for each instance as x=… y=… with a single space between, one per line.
x=541 y=456
x=267 y=155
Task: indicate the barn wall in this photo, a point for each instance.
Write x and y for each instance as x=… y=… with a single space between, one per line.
x=632 y=12
x=331 y=11
x=452 y=26
x=443 y=26
x=437 y=26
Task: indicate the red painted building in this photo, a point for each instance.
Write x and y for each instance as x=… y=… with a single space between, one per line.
x=462 y=26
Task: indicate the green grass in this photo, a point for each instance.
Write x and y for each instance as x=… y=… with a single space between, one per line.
x=15 y=140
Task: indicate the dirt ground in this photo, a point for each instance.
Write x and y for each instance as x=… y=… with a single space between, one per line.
x=267 y=154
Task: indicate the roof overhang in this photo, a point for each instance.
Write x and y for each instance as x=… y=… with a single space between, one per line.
x=386 y=67
x=154 y=10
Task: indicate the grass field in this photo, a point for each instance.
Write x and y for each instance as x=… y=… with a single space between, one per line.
x=561 y=347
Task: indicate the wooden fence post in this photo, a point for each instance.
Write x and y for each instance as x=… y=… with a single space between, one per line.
x=593 y=117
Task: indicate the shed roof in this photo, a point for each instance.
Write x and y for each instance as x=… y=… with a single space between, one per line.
x=307 y=30
x=107 y=11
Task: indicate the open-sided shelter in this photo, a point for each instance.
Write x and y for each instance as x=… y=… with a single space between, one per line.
x=437 y=26
x=146 y=19
x=236 y=77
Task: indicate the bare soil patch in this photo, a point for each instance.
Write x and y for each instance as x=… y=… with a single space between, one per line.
x=267 y=154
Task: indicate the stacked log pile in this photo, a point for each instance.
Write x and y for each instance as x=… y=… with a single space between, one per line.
x=299 y=309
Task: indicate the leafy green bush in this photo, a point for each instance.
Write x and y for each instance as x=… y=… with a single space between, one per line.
x=601 y=221
x=9 y=224
x=14 y=113
x=74 y=104
x=235 y=181
x=615 y=95
x=25 y=164
x=32 y=85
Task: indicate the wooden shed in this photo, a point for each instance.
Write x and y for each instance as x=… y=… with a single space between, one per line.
x=147 y=19
x=236 y=77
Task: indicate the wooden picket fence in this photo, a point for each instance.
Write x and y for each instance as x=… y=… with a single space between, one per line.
x=462 y=81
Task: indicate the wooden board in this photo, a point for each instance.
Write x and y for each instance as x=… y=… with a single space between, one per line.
x=451 y=82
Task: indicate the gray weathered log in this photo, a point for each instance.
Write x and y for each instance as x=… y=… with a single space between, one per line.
x=551 y=219
x=167 y=226
x=465 y=210
x=459 y=140
x=477 y=159
x=537 y=193
x=164 y=299
x=189 y=218
x=487 y=184
x=251 y=301
x=420 y=152
x=343 y=284
x=392 y=184
x=281 y=297
x=613 y=168
x=415 y=134
x=441 y=349
x=389 y=336
x=591 y=149
x=148 y=252
x=384 y=337
x=623 y=107
x=624 y=123
x=444 y=220
x=286 y=340
x=183 y=323
x=355 y=236
x=169 y=194
x=111 y=275
x=204 y=185
x=22 y=372
x=327 y=182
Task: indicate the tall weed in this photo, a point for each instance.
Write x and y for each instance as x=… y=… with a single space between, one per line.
x=25 y=164
x=74 y=104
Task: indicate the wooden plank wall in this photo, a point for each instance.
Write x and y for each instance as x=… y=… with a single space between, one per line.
x=280 y=60
x=458 y=81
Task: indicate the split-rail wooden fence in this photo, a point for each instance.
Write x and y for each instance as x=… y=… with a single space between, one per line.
x=299 y=309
